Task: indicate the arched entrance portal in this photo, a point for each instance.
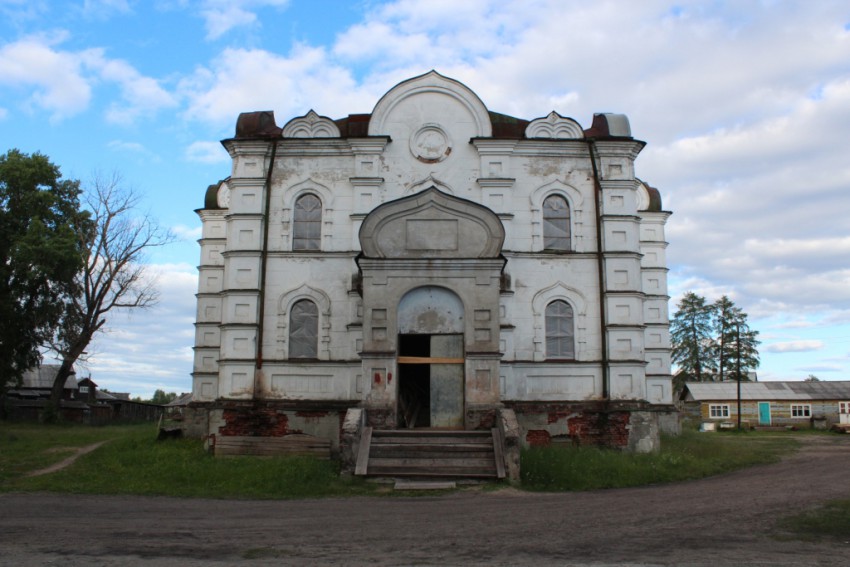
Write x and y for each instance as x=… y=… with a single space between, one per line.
x=430 y=358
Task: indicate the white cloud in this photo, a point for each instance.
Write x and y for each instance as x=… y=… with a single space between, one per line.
x=793 y=346
x=103 y=9
x=821 y=368
x=134 y=148
x=206 y=152
x=61 y=82
x=187 y=232
x=143 y=350
x=56 y=78
x=221 y=16
x=242 y=80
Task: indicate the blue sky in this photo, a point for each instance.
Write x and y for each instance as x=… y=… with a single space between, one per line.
x=745 y=107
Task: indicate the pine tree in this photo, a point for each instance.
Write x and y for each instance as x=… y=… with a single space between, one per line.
x=735 y=343
x=690 y=331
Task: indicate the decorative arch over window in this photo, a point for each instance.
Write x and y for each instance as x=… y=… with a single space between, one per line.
x=560 y=311
x=560 y=330
x=307 y=223
x=304 y=330
x=557 y=213
x=291 y=196
x=304 y=324
x=556 y=224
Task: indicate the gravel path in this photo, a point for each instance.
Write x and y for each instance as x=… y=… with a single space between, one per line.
x=724 y=520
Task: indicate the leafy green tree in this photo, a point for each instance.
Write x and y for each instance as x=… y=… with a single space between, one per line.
x=161 y=398
x=40 y=255
x=736 y=345
x=690 y=331
x=811 y=378
x=112 y=276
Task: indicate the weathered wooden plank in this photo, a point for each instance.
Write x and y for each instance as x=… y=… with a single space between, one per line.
x=430 y=360
x=453 y=472
x=472 y=441
x=295 y=444
x=485 y=463
x=362 y=465
x=430 y=447
x=498 y=453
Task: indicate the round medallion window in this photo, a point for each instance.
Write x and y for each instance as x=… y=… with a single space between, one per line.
x=430 y=144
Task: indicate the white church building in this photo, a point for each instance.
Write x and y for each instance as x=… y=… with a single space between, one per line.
x=433 y=265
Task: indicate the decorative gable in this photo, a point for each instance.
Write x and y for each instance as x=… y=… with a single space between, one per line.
x=554 y=126
x=311 y=125
x=431 y=224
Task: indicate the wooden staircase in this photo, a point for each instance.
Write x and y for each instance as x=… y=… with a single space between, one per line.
x=424 y=453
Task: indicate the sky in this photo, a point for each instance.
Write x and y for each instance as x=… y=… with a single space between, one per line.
x=744 y=105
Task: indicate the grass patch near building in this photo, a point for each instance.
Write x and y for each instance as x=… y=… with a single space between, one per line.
x=830 y=521
x=688 y=456
x=134 y=462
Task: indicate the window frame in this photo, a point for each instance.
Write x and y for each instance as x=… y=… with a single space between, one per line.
x=560 y=338
x=306 y=225
x=806 y=410
x=547 y=222
x=724 y=411
x=314 y=355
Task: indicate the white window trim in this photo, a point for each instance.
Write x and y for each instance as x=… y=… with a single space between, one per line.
x=807 y=411
x=575 y=299
x=725 y=409
x=574 y=201
x=322 y=301
x=845 y=406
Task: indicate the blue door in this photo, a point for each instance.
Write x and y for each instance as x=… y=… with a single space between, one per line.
x=764 y=413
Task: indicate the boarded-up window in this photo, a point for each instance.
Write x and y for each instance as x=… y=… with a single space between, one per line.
x=307 y=224
x=556 y=223
x=560 y=337
x=304 y=330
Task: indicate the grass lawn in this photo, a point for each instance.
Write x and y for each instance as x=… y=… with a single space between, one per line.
x=133 y=462
x=688 y=456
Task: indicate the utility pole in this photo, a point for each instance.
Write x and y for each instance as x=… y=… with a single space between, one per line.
x=738 y=367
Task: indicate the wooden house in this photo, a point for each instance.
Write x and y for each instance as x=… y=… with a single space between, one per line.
x=799 y=404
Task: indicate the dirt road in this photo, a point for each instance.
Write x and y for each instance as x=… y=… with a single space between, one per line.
x=725 y=520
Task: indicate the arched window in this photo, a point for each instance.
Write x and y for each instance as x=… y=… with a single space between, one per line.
x=307 y=223
x=556 y=223
x=304 y=330
x=560 y=336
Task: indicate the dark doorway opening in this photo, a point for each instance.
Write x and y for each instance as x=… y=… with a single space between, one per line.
x=414 y=385
x=430 y=386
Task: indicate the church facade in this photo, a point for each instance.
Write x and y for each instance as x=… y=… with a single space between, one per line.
x=433 y=264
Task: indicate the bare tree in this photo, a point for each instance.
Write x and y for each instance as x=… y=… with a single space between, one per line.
x=115 y=240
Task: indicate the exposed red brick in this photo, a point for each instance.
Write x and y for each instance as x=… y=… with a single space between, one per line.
x=538 y=438
x=314 y=414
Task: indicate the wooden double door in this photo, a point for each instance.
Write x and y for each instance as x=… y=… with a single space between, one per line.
x=431 y=381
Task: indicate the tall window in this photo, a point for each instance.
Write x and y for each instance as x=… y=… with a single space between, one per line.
x=556 y=223
x=307 y=223
x=304 y=330
x=560 y=337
